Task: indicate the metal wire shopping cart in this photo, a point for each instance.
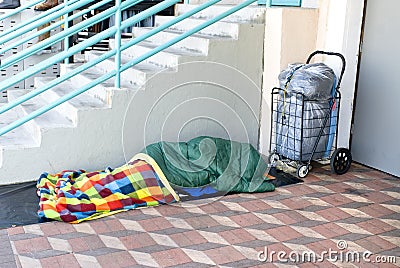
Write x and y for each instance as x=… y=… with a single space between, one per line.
x=304 y=129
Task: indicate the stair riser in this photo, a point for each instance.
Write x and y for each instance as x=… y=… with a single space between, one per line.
x=31 y=127
x=131 y=76
x=100 y=92
x=66 y=108
x=161 y=59
x=255 y=15
x=224 y=29
x=190 y=43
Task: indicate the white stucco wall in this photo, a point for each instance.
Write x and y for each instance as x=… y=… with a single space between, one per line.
x=339 y=30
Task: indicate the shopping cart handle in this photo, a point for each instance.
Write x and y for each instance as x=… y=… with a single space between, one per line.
x=320 y=52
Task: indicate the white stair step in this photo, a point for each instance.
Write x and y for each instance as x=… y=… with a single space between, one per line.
x=18 y=138
x=136 y=75
x=219 y=29
x=168 y=58
x=103 y=90
x=196 y=43
x=49 y=120
x=72 y=107
x=252 y=14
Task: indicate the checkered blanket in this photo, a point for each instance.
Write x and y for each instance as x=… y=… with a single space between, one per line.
x=76 y=196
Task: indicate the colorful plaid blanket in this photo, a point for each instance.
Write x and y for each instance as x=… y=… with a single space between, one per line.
x=76 y=196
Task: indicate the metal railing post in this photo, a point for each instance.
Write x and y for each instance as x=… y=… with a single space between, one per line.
x=118 y=18
x=66 y=26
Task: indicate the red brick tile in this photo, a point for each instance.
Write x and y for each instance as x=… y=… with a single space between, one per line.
x=65 y=228
x=378 y=197
x=62 y=261
x=365 y=264
x=25 y=246
x=311 y=178
x=214 y=207
x=296 y=203
x=155 y=224
x=283 y=233
x=203 y=221
x=224 y=255
x=300 y=189
x=322 y=246
x=246 y=219
x=285 y=218
x=137 y=241
x=376 y=174
x=255 y=205
x=265 y=195
x=381 y=243
x=68 y=261
x=99 y=226
x=94 y=242
x=295 y=215
x=130 y=213
x=327 y=264
x=195 y=237
x=49 y=262
x=376 y=210
x=50 y=229
x=328 y=244
x=172 y=209
x=78 y=244
x=237 y=236
x=15 y=230
x=188 y=238
x=376 y=226
x=117 y=259
x=336 y=199
x=307 y=264
x=330 y=230
x=377 y=184
x=171 y=257
x=114 y=225
x=369 y=245
x=333 y=214
x=339 y=187
x=276 y=252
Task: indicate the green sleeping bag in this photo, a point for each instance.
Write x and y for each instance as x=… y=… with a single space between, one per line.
x=227 y=166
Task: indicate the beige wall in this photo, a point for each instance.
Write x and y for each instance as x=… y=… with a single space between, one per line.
x=291 y=34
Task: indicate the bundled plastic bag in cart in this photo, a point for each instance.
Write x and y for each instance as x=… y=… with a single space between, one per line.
x=301 y=110
x=314 y=80
x=9 y=4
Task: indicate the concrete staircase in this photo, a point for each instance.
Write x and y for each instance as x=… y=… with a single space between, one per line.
x=207 y=84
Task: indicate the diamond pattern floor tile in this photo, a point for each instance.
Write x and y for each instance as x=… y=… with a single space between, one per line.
x=360 y=209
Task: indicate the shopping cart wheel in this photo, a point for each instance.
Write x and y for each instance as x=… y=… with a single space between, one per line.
x=273 y=159
x=341 y=161
x=302 y=171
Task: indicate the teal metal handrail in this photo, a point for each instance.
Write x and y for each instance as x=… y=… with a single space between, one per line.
x=39 y=20
x=53 y=26
x=116 y=29
x=66 y=33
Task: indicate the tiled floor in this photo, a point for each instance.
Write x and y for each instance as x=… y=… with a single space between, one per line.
x=349 y=216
